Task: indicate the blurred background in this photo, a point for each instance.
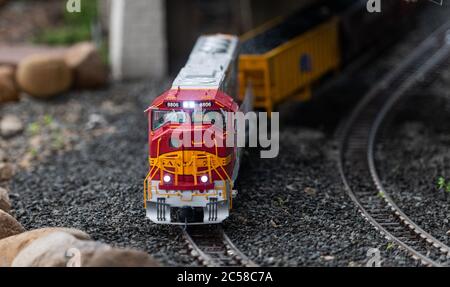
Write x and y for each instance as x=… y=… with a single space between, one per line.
x=138 y=38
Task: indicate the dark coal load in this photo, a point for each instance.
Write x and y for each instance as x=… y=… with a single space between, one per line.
x=294 y=25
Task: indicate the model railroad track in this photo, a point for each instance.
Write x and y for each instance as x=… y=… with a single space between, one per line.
x=211 y=247
x=356 y=151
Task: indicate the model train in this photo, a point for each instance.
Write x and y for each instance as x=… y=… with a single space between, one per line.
x=190 y=182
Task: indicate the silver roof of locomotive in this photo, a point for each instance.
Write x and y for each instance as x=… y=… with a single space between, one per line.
x=208 y=62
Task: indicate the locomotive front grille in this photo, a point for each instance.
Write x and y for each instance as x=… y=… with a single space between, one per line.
x=161 y=209
x=171 y=210
x=212 y=207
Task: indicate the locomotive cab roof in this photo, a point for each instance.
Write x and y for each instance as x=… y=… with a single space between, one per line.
x=208 y=63
x=205 y=74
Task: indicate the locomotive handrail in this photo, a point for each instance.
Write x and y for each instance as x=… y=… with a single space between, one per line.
x=225 y=195
x=149 y=175
x=157 y=159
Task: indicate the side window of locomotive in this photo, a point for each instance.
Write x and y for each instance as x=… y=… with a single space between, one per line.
x=158 y=119
x=161 y=118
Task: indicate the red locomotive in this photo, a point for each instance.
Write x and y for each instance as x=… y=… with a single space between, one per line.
x=191 y=181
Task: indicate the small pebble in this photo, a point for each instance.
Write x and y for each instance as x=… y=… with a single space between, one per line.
x=10 y=126
x=310 y=191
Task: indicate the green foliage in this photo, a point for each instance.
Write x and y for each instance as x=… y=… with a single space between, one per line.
x=57 y=140
x=390 y=246
x=443 y=184
x=63 y=36
x=34 y=128
x=34 y=152
x=48 y=120
x=76 y=28
x=88 y=14
x=279 y=201
x=104 y=53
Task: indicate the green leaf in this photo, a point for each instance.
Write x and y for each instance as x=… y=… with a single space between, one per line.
x=441 y=183
x=34 y=128
x=390 y=246
x=447 y=188
x=48 y=120
x=76 y=27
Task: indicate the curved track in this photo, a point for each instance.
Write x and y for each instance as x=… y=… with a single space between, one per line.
x=356 y=149
x=212 y=248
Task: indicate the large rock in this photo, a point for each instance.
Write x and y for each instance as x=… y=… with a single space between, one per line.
x=8 y=89
x=44 y=76
x=6 y=171
x=8 y=227
x=62 y=249
x=58 y=249
x=87 y=66
x=10 y=126
x=5 y=203
x=11 y=246
x=12 y=55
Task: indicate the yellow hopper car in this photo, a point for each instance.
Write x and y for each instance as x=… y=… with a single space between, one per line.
x=290 y=69
x=285 y=58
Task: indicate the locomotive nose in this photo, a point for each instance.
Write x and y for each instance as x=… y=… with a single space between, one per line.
x=186 y=162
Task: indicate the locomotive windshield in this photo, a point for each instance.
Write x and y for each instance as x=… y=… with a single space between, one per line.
x=160 y=118
x=209 y=117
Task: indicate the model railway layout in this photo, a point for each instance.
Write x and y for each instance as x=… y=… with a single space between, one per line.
x=362 y=159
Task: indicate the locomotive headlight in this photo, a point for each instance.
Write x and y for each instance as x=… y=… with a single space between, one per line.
x=189 y=105
x=167 y=178
x=204 y=179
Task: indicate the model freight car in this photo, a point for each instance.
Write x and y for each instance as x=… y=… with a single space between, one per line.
x=284 y=59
